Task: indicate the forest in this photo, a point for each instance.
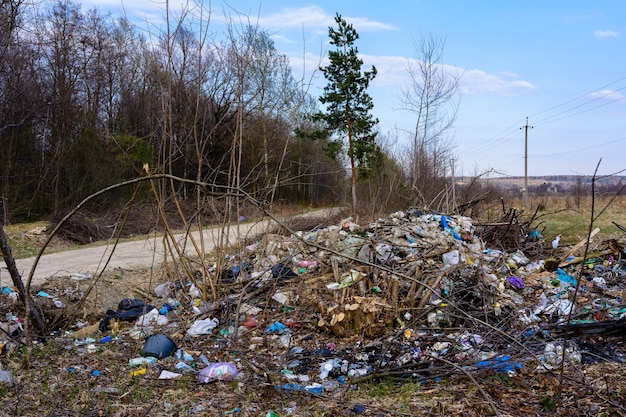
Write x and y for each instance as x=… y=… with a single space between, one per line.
x=89 y=100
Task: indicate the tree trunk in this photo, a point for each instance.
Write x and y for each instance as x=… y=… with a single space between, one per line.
x=17 y=279
x=352 y=168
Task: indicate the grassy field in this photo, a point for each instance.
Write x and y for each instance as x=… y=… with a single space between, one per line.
x=561 y=216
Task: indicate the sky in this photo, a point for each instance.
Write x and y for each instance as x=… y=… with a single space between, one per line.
x=559 y=63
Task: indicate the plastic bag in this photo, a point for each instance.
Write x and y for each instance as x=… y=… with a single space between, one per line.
x=451 y=258
x=282 y=271
x=128 y=310
x=6 y=376
x=200 y=327
x=219 y=371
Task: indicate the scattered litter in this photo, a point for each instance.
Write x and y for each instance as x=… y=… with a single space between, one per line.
x=277 y=327
x=142 y=360
x=81 y=277
x=323 y=310
x=283 y=271
x=6 y=377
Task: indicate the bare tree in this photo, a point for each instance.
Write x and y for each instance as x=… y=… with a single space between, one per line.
x=432 y=98
x=18 y=103
x=273 y=94
x=10 y=11
x=86 y=100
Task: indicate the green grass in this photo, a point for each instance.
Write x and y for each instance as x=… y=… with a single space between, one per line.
x=573 y=224
x=25 y=239
x=405 y=395
x=403 y=391
x=379 y=389
x=141 y=392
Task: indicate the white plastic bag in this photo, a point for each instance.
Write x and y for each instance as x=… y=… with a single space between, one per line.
x=200 y=327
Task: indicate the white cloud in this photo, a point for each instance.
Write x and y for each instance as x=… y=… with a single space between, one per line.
x=479 y=82
x=315 y=17
x=606 y=34
x=282 y=38
x=607 y=94
x=392 y=72
x=141 y=12
x=305 y=66
x=363 y=24
x=307 y=17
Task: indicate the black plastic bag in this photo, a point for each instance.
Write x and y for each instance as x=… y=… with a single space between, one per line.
x=282 y=271
x=127 y=310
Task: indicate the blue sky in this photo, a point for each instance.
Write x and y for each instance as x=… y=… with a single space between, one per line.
x=561 y=63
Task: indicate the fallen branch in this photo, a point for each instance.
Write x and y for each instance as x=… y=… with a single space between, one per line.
x=578 y=246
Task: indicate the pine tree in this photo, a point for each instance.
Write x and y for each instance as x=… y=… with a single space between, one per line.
x=347 y=103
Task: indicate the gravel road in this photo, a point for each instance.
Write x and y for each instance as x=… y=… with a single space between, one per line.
x=135 y=254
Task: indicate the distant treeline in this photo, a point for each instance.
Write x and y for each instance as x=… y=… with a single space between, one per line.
x=561 y=184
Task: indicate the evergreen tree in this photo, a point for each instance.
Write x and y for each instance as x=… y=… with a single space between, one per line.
x=347 y=103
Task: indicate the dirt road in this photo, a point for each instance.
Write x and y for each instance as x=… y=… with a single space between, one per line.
x=136 y=254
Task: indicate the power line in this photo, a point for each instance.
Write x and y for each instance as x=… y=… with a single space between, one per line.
x=542 y=122
x=579 y=97
x=498 y=139
x=526 y=127
x=501 y=139
x=579 y=149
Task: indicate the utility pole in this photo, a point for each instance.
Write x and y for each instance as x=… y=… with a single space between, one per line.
x=453 y=185
x=526 y=162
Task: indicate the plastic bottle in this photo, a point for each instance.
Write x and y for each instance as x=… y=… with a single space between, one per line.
x=325 y=368
x=142 y=360
x=182 y=355
x=185 y=367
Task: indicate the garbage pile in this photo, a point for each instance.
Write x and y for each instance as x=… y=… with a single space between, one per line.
x=414 y=295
